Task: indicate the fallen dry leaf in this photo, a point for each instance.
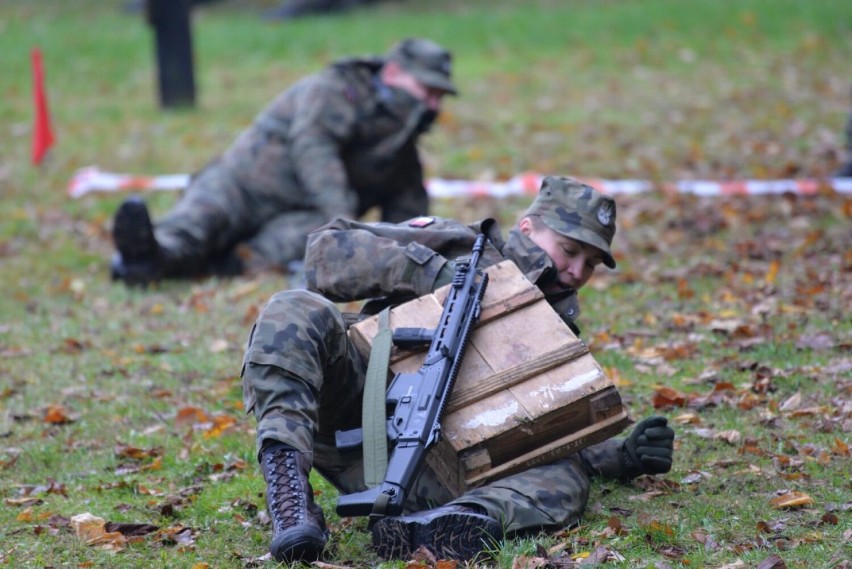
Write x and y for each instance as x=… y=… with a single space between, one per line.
x=772 y=562
x=57 y=415
x=791 y=500
x=92 y=531
x=526 y=562
x=731 y=436
x=668 y=397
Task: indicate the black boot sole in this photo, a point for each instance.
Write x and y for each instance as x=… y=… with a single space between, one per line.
x=298 y=544
x=133 y=233
x=451 y=536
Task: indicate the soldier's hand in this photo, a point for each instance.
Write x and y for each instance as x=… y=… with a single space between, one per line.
x=649 y=448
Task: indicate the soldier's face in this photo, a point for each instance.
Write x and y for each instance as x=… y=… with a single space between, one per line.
x=402 y=79
x=575 y=261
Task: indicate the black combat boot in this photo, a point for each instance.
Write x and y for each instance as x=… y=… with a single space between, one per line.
x=450 y=532
x=137 y=261
x=298 y=525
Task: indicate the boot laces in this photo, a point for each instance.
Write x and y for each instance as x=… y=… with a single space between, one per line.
x=286 y=492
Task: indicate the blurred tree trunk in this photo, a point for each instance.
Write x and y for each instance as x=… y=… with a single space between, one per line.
x=171 y=22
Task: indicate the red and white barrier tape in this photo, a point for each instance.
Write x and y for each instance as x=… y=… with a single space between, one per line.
x=92 y=179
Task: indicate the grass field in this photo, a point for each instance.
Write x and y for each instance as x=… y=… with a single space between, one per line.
x=730 y=316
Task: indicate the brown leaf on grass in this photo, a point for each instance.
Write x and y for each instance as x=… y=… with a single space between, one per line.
x=772 y=562
x=730 y=436
x=219 y=425
x=601 y=554
x=324 y=565
x=152 y=349
x=729 y=326
x=74 y=346
x=137 y=453
x=684 y=291
x=527 y=562
x=652 y=525
x=92 y=531
x=748 y=401
x=57 y=415
x=144 y=490
x=749 y=446
x=791 y=403
x=183 y=537
x=198 y=301
x=678 y=351
x=688 y=418
x=130 y=529
x=772 y=272
x=646 y=496
x=191 y=416
x=705 y=539
x=160 y=393
x=30 y=515
x=671 y=551
x=791 y=500
x=613 y=528
x=665 y=397
x=23 y=502
x=775 y=526
x=695 y=477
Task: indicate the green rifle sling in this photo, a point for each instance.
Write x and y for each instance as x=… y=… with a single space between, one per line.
x=373 y=420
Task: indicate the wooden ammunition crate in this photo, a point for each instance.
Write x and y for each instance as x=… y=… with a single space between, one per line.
x=528 y=391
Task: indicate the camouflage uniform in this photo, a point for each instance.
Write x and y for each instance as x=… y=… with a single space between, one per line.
x=304 y=380
x=336 y=143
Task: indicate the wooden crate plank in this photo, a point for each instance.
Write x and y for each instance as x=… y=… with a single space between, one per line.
x=507 y=291
x=551 y=451
x=492 y=416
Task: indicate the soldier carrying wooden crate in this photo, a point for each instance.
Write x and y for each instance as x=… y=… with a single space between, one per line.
x=304 y=377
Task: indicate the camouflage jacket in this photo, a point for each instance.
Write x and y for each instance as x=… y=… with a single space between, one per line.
x=349 y=260
x=333 y=142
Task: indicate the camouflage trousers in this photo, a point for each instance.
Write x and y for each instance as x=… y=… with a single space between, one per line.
x=215 y=215
x=303 y=379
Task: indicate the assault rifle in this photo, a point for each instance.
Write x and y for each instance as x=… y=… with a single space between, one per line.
x=418 y=399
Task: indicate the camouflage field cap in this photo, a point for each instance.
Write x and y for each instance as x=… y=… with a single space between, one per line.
x=578 y=211
x=430 y=63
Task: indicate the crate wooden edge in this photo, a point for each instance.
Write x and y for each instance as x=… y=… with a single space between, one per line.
x=362 y=333
x=441 y=458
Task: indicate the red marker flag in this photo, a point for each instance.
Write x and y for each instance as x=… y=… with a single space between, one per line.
x=42 y=131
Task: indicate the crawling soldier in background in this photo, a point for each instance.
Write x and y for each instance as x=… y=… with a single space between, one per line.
x=303 y=379
x=337 y=143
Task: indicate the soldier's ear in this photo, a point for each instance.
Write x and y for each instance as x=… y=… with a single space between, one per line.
x=525 y=226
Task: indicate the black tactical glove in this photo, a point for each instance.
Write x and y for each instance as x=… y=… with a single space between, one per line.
x=648 y=449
